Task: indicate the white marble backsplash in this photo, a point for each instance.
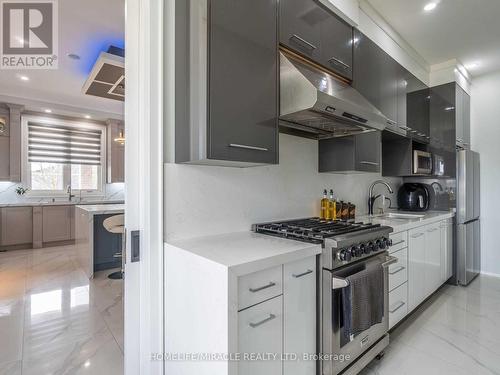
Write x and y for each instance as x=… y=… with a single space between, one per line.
x=112 y=192
x=204 y=200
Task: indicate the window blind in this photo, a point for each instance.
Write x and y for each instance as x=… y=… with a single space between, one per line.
x=63 y=144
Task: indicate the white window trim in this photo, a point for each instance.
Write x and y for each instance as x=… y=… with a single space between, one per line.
x=25 y=165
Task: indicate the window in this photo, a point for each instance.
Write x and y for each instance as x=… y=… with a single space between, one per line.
x=59 y=153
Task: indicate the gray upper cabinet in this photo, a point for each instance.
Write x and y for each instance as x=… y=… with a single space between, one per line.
x=227 y=82
x=307 y=27
x=359 y=153
x=376 y=75
x=462 y=118
x=243 y=81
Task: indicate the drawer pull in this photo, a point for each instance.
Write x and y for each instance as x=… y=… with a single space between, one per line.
x=398 y=243
x=400 y=304
x=302 y=274
x=303 y=41
x=335 y=61
x=399 y=269
x=417 y=235
x=432 y=230
x=236 y=145
x=368 y=163
x=255 y=290
x=254 y=325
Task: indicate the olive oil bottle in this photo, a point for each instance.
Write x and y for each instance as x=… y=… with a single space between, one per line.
x=324 y=214
x=332 y=206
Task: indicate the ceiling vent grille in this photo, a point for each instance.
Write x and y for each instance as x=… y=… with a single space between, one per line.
x=107 y=78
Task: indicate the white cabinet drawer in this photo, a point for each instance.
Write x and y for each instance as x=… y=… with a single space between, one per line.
x=399 y=241
x=259 y=286
x=260 y=331
x=398 y=304
x=398 y=272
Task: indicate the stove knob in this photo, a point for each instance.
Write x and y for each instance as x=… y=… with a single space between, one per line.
x=367 y=249
x=381 y=244
x=344 y=255
x=354 y=251
x=363 y=249
x=389 y=242
x=376 y=246
x=371 y=246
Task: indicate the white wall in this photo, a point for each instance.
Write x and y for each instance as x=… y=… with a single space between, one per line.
x=204 y=200
x=485 y=132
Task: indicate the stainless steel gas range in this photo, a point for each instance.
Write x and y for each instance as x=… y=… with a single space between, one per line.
x=348 y=248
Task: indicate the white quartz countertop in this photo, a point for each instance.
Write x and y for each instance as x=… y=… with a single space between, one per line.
x=103 y=209
x=401 y=224
x=247 y=252
x=59 y=203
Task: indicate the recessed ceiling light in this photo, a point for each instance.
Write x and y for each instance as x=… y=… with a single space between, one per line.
x=73 y=56
x=430 y=6
x=88 y=117
x=24 y=78
x=48 y=111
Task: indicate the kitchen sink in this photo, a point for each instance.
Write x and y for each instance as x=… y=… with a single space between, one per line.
x=394 y=215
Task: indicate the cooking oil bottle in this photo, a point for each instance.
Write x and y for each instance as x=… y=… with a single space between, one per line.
x=332 y=206
x=324 y=214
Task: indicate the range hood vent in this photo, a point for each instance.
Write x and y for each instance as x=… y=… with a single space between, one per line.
x=107 y=78
x=316 y=104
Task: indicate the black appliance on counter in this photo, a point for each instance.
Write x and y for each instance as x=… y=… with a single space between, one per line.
x=414 y=197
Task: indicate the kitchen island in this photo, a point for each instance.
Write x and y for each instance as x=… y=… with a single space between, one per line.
x=94 y=245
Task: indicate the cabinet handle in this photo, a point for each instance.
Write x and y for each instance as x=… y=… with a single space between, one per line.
x=417 y=235
x=254 y=325
x=236 y=145
x=398 y=243
x=302 y=274
x=310 y=45
x=392 y=122
x=336 y=61
x=368 y=163
x=432 y=230
x=400 y=304
x=255 y=290
x=397 y=270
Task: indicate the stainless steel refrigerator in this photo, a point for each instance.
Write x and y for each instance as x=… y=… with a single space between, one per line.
x=468 y=237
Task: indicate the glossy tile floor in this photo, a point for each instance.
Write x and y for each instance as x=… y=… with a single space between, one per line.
x=53 y=320
x=456 y=332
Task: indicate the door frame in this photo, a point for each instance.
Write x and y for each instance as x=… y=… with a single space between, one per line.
x=143 y=281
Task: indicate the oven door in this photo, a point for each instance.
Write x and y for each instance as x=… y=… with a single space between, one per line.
x=341 y=352
x=422 y=162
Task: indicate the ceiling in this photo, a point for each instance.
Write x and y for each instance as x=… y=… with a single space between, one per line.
x=456 y=29
x=86 y=27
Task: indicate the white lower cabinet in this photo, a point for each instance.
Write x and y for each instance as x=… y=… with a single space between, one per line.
x=446 y=229
x=417 y=266
x=299 y=315
x=260 y=332
x=432 y=258
x=398 y=304
x=278 y=324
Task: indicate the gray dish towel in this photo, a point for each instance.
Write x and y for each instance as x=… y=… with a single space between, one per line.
x=363 y=300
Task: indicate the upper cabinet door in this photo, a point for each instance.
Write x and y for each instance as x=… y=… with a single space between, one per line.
x=300 y=26
x=375 y=76
x=312 y=30
x=243 y=105
x=466 y=120
x=336 y=46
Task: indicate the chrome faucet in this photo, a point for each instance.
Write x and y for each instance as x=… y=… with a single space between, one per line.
x=68 y=191
x=371 y=198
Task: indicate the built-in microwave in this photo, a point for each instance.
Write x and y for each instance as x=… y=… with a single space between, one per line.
x=422 y=162
x=438 y=165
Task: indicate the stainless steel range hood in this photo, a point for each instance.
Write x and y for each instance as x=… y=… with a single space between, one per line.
x=318 y=105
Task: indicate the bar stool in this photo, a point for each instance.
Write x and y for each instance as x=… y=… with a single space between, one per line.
x=116 y=224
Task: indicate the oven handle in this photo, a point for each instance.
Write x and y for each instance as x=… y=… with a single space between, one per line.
x=389 y=260
x=339 y=283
